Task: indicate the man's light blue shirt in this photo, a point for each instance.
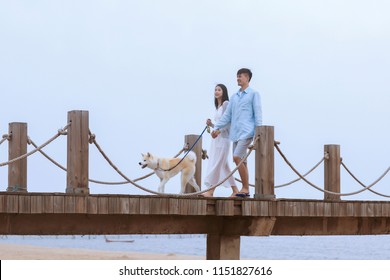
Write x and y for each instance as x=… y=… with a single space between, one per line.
x=243 y=114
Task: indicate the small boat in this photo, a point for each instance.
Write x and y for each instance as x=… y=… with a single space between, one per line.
x=111 y=240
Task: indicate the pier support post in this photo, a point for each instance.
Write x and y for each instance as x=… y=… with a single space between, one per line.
x=223 y=247
x=77 y=157
x=189 y=140
x=264 y=163
x=17 y=171
x=332 y=171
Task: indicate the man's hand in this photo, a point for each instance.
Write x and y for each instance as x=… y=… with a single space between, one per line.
x=215 y=133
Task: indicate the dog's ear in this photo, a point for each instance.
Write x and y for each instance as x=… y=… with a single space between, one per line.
x=142 y=155
x=148 y=154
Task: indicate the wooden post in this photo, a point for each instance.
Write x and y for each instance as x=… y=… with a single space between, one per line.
x=223 y=247
x=332 y=171
x=17 y=146
x=77 y=157
x=189 y=140
x=264 y=163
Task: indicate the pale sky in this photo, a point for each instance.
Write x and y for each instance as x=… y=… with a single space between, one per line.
x=146 y=72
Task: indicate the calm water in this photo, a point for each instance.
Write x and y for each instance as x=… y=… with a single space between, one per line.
x=376 y=247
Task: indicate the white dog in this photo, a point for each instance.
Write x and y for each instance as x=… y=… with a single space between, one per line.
x=165 y=169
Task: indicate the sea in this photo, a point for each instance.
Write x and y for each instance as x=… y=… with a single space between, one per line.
x=362 y=247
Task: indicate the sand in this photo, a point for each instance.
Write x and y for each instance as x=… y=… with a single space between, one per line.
x=29 y=252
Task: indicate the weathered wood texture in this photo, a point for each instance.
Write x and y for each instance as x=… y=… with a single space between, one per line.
x=223 y=247
x=34 y=213
x=17 y=171
x=264 y=163
x=332 y=171
x=190 y=140
x=187 y=206
x=77 y=155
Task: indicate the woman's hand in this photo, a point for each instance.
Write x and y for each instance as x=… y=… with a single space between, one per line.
x=209 y=123
x=215 y=133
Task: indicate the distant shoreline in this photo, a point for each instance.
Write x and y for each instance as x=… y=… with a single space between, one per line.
x=30 y=252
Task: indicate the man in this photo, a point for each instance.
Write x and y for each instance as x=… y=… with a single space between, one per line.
x=243 y=114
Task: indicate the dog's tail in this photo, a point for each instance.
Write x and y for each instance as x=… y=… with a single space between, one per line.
x=191 y=156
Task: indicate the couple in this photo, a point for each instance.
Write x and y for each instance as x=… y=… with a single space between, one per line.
x=241 y=116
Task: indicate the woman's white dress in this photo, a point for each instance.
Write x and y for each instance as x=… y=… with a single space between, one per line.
x=218 y=167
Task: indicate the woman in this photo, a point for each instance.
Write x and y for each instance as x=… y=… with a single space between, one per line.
x=218 y=167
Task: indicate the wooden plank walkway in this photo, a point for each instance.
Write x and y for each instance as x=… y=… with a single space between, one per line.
x=57 y=213
x=224 y=220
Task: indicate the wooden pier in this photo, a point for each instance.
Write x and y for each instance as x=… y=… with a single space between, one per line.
x=223 y=220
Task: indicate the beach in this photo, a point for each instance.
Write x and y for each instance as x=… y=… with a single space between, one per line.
x=192 y=247
x=22 y=261
x=30 y=252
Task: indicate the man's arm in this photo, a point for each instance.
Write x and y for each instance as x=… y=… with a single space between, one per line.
x=226 y=118
x=257 y=109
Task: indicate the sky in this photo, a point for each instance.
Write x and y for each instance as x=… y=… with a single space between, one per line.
x=146 y=72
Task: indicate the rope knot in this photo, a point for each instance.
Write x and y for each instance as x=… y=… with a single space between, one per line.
x=92 y=138
x=7 y=136
x=326 y=155
x=204 y=154
x=253 y=145
x=62 y=131
x=29 y=141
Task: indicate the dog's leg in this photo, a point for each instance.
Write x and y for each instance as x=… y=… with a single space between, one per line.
x=185 y=178
x=161 y=187
x=184 y=181
x=193 y=183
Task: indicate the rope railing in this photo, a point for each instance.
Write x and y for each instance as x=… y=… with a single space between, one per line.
x=239 y=180
x=293 y=181
x=304 y=175
x=30 y=141
x=59 y=133
x=166 y=194
x=92 y=140
x=321 y=189
x=371 y=185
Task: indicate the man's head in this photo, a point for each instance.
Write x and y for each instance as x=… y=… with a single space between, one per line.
x=244 y=75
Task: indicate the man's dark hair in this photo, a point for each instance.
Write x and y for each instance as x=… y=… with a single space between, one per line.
x=245 y=71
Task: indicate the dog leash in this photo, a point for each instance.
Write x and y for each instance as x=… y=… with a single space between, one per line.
x=189 y=150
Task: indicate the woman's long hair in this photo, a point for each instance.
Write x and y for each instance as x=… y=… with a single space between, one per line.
x=225 y=95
